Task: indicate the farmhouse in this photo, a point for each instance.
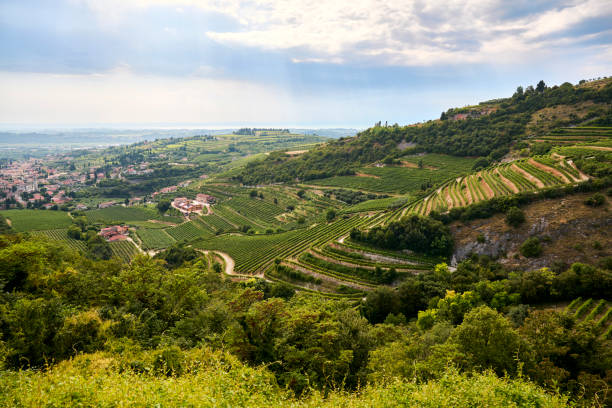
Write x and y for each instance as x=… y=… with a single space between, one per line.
x=114 y=233
x=187 y=206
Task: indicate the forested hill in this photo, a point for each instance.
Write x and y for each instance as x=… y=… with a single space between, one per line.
x=487 y=129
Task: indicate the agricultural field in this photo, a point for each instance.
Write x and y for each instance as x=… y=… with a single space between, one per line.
x=188 y=231
x=125 y=250
x=579 y=134
x=253 y=254
x=598 y=311
x=61 y=235
x=254 y=208
x=154 y=238
x=34 y=220
x=403 y=179
x=506 y=179
x=120 y=214
x=376 y=205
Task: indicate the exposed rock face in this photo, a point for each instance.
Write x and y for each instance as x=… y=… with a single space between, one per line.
x=569 y=231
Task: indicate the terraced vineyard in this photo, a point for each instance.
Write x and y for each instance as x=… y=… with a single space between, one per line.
x=374 y=205
x=394 y=179
x=189 y=231
x=124 y=250
x=502 y=180
x=217 y=222
x=582 y=134
x=598 y=311
x=253 y=254
x=154 y=238
x=253 y=208
x=235 y=219
x=61 y=235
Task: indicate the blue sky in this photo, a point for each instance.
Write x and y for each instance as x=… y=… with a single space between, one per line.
x=285 y=62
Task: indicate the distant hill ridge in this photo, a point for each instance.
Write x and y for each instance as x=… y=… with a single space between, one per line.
x=488 y=129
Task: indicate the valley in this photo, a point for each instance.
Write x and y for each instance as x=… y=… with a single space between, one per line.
x=418 y=230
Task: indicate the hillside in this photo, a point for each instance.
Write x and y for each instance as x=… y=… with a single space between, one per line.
x=488 y=129
x=569 y=230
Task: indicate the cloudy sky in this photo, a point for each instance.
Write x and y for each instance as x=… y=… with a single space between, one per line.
x=285 y=62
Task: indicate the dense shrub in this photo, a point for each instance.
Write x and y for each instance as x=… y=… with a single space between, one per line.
x=596 y=200
x=531 y=248
x=515 y=217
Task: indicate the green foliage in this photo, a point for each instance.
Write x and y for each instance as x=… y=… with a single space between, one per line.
x=515 y=217
x=144 y=332
x=217 y=378
x=163 y=206
x=541 y=148
x=420 y=234
x=488 y=340
x=596 y=200
x=177 y=255
x=531 y=248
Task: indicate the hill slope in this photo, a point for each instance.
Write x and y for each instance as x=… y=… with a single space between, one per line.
x=488 y=129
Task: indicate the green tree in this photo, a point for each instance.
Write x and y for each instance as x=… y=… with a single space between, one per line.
x=489 y=341
x=531 y=248
x=163 y=206
x=515 y=217
x=330 y=215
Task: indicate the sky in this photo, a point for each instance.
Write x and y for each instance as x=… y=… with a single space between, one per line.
x=293 y=63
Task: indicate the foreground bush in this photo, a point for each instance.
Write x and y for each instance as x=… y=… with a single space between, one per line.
x=218 y=379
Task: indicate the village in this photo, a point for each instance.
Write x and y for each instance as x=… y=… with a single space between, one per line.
x=37 y=183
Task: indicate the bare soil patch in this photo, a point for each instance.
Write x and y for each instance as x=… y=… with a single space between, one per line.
x=487 y=189
x=295 y=152
x=467 y=192
x=549 y=170
x=366 y=175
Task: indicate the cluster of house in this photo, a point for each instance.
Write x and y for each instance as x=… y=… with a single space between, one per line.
x=28 y=181
x=114 y=233
x=187 y=206
x=134 y=170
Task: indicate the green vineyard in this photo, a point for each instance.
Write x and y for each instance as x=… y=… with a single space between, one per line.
x=435 y=169
x=154 y=238
x=36 y=220
x=597 y=311
x=188 y=231
x=581 y=134
x=502 y=180
x=62 y=236
x=125 y=250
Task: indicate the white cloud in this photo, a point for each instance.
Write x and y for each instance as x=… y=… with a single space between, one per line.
x=391 y=32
